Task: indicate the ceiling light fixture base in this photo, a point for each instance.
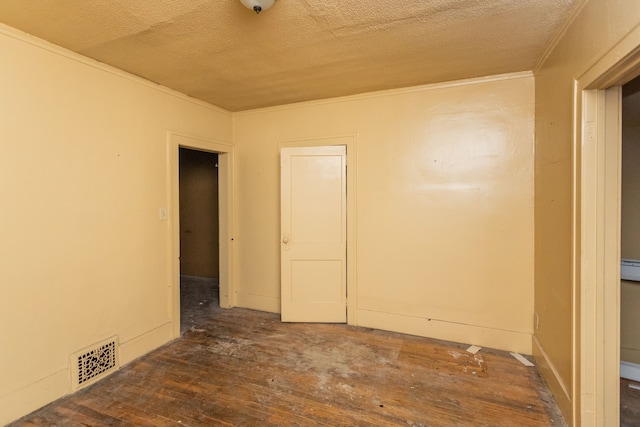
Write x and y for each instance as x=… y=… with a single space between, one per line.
x=257 y=5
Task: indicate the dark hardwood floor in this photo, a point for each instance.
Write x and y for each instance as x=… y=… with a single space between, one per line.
x=245 y=368
x=629 y=403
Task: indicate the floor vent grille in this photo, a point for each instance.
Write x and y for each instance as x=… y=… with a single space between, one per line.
x=93 y=363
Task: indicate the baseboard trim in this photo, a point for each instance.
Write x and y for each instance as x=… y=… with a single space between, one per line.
x=40 y=393
x=258 y=302
x=143 y=344
x=34 y=396
x=556 y=385
x=630 y=371
x=485 y=337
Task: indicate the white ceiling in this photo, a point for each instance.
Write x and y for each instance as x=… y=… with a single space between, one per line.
x=299 y=50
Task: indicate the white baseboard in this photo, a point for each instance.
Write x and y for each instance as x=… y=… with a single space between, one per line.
x=42 y=392
x=257 y=302
x=139 y=346
x=450 y=331
x=558 y=387
x=630 y=371
x=34 y=396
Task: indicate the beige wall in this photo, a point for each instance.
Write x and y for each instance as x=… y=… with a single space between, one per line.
x=199 y=255
x=592 y=35
x=630 y=226
x=83 y=173
x=444 y=206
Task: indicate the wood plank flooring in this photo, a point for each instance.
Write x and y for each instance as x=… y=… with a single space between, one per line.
x=245 y=368
x=629 y=404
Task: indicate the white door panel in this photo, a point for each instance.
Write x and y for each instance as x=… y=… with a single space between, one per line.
x=313 y=227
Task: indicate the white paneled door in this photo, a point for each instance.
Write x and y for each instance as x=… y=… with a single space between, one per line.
x=313 y=239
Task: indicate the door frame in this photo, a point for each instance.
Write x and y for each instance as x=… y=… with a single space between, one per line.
x=175 y=141
x=350 y=141
x=597 y=176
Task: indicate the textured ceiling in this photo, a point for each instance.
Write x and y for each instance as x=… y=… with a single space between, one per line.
x=223 y=53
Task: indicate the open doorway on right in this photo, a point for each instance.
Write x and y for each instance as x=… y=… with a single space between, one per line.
x=199 y=238
x=630 y=257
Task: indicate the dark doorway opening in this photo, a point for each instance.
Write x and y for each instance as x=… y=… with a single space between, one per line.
x=199 y=237
x=630 y=253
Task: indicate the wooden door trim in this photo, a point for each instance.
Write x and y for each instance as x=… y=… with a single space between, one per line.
x=350 y=141
x=175 y=141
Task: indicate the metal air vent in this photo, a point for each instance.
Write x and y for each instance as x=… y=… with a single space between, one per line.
x=94 y=363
